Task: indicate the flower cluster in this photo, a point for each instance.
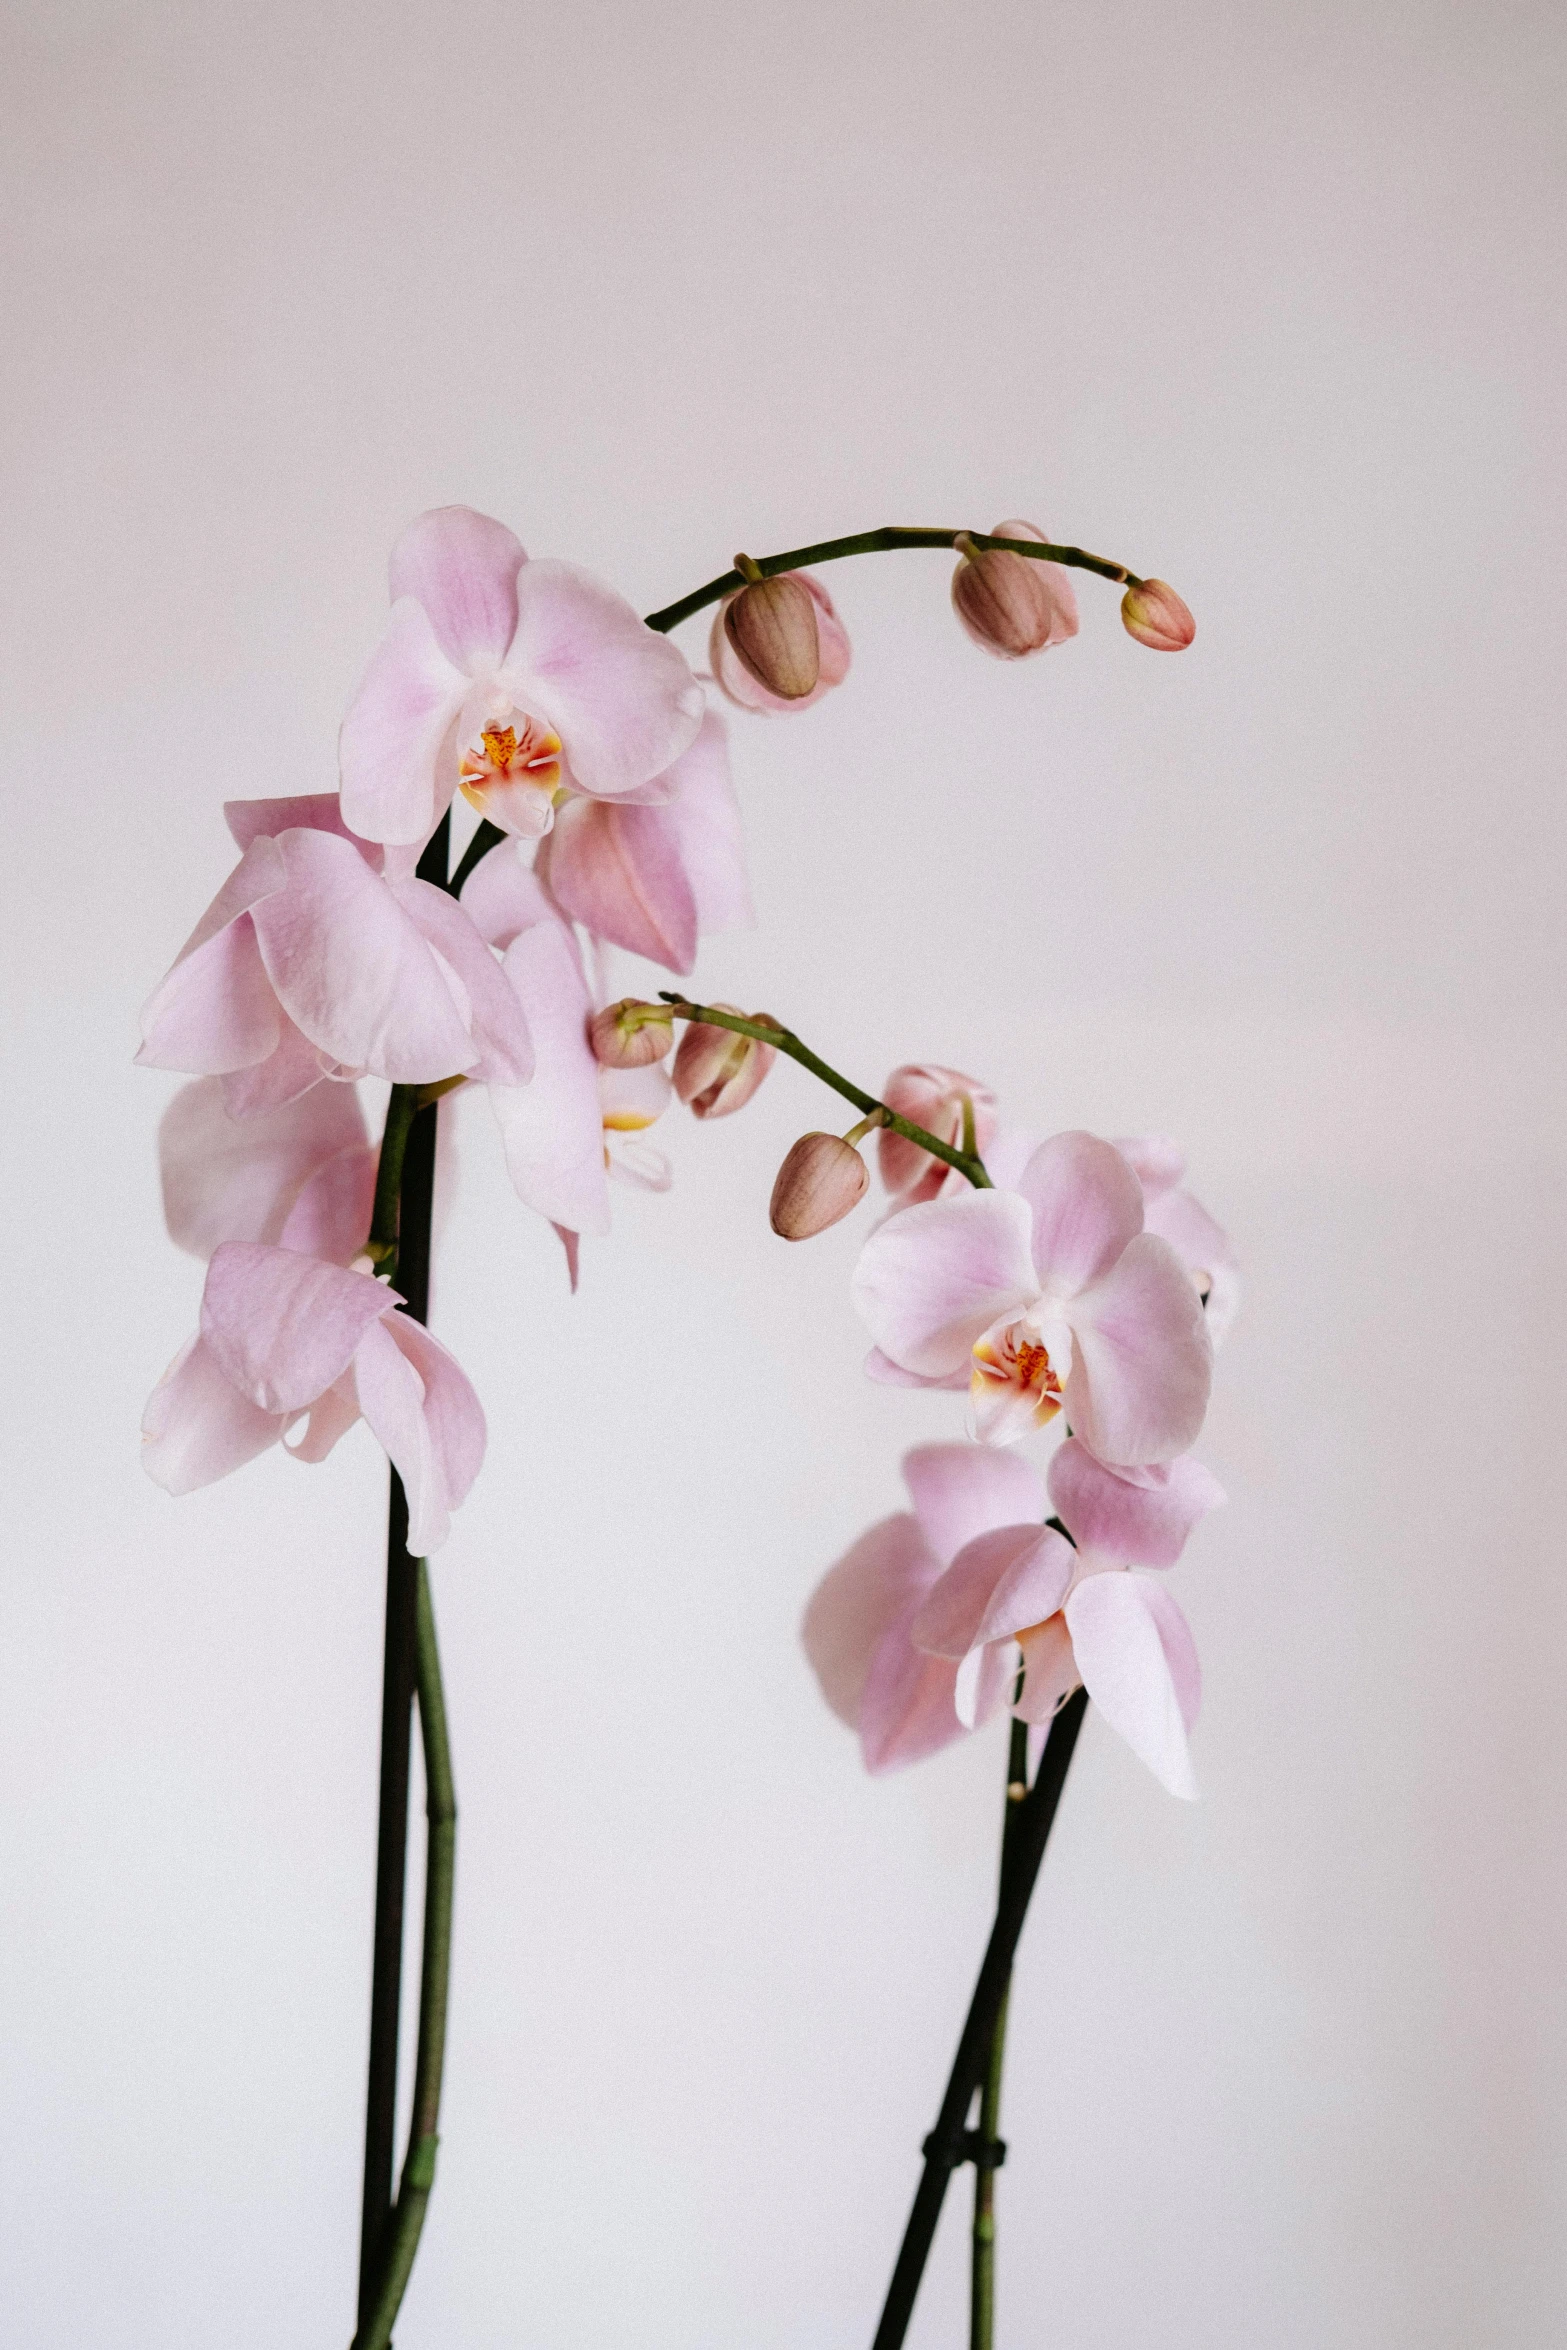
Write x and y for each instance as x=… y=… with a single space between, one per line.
x=1086 y=1288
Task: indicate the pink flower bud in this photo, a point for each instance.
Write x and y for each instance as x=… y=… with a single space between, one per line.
x=1011 y=604
x=772 y=626
x=1155 y=615
x=737 y=682
x=716 y=1072
x=822 y=1178
x=623 y=1042
x=932 y=1097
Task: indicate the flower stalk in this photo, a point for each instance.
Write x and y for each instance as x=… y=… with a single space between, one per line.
x=888 y=540
x=784 y=1040
x=948 y=2144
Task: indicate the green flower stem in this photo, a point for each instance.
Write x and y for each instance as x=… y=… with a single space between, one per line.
x=489 y=836
x=967 y=1163
x=882 y=542
x=385 y=1215
x=407 y=2219
x=982 y=2263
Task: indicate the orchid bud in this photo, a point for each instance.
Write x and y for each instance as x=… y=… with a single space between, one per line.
x=1155 y=615
x=733 y=661
x=1011 y=604
x=822 y=1178
x=716 y=1071
x=630 y=1035
x=772 y=626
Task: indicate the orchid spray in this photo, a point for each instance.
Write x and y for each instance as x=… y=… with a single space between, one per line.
x=1069 y=1284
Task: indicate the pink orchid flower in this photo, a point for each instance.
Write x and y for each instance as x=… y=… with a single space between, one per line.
x=281 y=1203
x=857 y=1626
x=509 y=680
x=652 y=879
x=935 y=1098
x=1203 y=1246
x=1022 y=1594
x=310 y=962
x=575 y=1124
x=1048 y=1295
x=735 y=682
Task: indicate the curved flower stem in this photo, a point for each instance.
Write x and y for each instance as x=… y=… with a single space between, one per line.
x=882 y=542
x=949 y=2142
x=405 y=1188
x=401 y=2238
x=967 y=1162
x=990 y=2150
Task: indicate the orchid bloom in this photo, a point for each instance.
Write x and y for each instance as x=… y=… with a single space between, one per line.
x=857 y=1626
x=1075 y=1616
x=311 y=962
x=512 y=681
x=937 y=1099
x=1203 y=1247
x=287 y=1333
x=576 y=1123
x=1048 y=1295
x=735 y=682
x=652 y=879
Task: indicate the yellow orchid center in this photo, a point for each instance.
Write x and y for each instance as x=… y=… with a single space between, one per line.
x=507 y=755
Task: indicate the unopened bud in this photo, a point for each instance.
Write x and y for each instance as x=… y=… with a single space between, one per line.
x=734 y=663
x=716 y=1071
x=630 y=1035
x=772 y=626
x=1154 y=614
x=822 y=1178
x=1011 y=604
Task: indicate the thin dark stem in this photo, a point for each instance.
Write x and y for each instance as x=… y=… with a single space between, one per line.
x=402 y=2233
x=785 y=1041
x=489 y=836
x=882 y=542
x=989 y=2151
x=944 y=2148
x=402 y=1221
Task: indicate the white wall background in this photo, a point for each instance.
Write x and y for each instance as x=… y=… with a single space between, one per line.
x=1265 y=300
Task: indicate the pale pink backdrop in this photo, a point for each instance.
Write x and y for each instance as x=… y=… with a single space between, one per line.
x=1267 y=300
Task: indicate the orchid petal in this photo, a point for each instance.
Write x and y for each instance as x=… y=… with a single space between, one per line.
x=1142 y=1521
x=1205 y=1249
x=1087 y=1204
x=330 y=1418
x=496 y=1020
x=452 y=1411
x=292 y=1069
x=998 y=1585
x=198 y=1427
x=250 y=820
x=552 y=1129
x=391 y=1397
x=282 y=1327
x=705 y=816
x=1143 y=1360
x=908 y=1709
x=230 y=1179
x=462 y=568
x=503 y=896
x=935 y=1277
x=887 y=1373
x=215 y=1009
x=331 y=1217
x=961 y=1490
x=353 y=970
x=1156 y=1160
x=1120 y=1649
x=392 y=736
x=873 y=1584
x=618 y=871
x=1050 y=1671
x=619 y=695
